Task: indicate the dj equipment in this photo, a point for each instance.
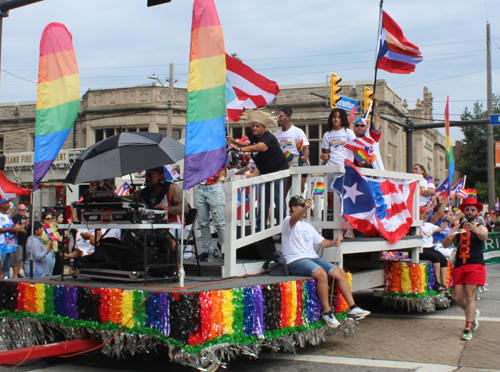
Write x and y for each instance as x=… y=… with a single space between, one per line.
x=118 y=210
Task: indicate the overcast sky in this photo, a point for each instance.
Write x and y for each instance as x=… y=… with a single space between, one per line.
x=121 y=42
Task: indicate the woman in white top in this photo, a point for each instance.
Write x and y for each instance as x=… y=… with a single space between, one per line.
x=427 y=185
x=337 y=135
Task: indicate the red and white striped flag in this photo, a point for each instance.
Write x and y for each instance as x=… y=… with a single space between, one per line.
x=461 y=192
x=246 y=89
x=123 y=190
x=48 y=230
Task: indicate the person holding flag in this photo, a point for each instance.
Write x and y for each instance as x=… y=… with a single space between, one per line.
x=427 y=187
x=469 y=271
x=361 y=130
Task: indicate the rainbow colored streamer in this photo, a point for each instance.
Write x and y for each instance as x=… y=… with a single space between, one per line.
x=205 y=149
x=58 y=99
x=192 y=321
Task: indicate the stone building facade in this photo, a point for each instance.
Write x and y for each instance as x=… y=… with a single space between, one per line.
x=105 y=112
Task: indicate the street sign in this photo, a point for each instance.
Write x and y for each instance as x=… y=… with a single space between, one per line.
x=495 y=119
x=348 y=103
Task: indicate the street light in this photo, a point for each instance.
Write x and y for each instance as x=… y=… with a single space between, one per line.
x=169 y=99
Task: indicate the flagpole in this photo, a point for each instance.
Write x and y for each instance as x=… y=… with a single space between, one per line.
x=182 y=274
x=376 y=51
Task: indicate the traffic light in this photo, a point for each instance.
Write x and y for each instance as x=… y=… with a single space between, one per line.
x=368 y=99
x=157 y=2
x=334 y=89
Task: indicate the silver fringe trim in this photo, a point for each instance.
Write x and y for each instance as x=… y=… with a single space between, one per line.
x=30 y=331
x=428 y=304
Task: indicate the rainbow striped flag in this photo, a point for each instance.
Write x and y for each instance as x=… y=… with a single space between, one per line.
x=58 y=99
x=319 y=188
x=449 y=147
x=472 y=193
x=205 y=148
x=288 y=156
x=362 y=155
x=461 y=231
x=300 y=146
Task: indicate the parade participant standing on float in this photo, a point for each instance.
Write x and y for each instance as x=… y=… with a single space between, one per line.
x=299 y=238
x=18 y=257
x=334 y=140
x=426 y=184
x=294 y=144
x=209 y=198
x=375 y=133
x=470 y=270
x=267 y=154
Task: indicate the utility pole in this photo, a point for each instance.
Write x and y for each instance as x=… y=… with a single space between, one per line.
x=170 y=95
x=489 y=132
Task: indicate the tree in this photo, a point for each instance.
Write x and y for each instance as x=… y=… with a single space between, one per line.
x=473 y=156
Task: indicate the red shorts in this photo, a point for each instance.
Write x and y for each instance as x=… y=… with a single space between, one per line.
x=474 y=274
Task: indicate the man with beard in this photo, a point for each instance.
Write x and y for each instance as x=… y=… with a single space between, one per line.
x=470 y=270
x=160 y=194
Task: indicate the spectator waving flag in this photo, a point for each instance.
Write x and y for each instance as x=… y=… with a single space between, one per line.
x=123 y=190
x=58 y=98
x=376 y=206
x=205 y=149
x=394 y=52
x=246 y=89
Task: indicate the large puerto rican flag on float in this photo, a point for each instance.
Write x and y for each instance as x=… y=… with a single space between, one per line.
x=394 y=52
x=246 y=89
x=376 y=206
x=9 y=189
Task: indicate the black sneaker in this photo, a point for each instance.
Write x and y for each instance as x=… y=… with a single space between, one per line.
x=203 y=257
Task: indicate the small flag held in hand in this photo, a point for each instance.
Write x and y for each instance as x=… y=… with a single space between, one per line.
x=319 y=188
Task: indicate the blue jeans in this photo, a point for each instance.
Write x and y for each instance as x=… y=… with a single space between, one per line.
x=308 y=266
x=51 y=262
x=267 y=201
x=5 y=257
x=210 y=198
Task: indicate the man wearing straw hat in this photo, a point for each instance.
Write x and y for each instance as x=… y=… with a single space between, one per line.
x=470 y=270
x=299 y=238
x=267 y=155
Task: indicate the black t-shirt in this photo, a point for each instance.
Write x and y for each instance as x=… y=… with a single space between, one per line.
x=271 y=160
x=18 y=220
x=469 y=249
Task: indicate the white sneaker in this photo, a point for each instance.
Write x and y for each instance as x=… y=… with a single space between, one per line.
x=330 y=319
x=358 y=313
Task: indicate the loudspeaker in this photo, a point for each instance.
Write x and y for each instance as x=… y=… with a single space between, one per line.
x=257 y=251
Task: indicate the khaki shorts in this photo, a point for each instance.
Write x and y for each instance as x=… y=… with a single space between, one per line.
x=17 y=256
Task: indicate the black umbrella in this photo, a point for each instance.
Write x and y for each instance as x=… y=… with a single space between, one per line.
x=124 y=153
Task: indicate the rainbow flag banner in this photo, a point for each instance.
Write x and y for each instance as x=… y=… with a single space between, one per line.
x=449 y=147
x=288 y=156
x=472 y=193
x=319 y=188
x=58 y=99
x=205 y=149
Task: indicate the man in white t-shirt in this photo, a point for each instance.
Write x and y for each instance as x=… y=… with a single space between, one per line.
x=298 y=241
x=293 y=143
x=375 y=133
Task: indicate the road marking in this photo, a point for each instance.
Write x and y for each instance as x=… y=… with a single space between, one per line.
x=429 y=316
x=420 y=367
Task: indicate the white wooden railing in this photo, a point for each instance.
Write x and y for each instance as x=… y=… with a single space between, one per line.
x=317 y=215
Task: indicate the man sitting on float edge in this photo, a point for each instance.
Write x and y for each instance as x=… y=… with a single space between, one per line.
x=160 y=194
x=298 y=241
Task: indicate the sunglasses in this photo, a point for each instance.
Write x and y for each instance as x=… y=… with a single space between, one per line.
x=47 y=218
x=359 y=125
x=22 y=210
x=470 y=209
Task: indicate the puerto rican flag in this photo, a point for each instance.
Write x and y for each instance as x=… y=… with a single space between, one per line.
x=48 y=230
x=246 y=89
x=9 y=190
x=359 y=144
x=461 y=192
x=459 y=183
x=394 y=52
x=123 y=190
x=247 y=203
x=170 y=173
x=376 y=206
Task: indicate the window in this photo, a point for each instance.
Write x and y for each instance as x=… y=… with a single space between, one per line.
x=2 y=143
x=176 y=134
x=99 y=135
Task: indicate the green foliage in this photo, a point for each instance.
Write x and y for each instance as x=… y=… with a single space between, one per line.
x=472 y=160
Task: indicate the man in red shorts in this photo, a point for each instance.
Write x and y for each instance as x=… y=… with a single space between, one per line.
x=469 y=271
